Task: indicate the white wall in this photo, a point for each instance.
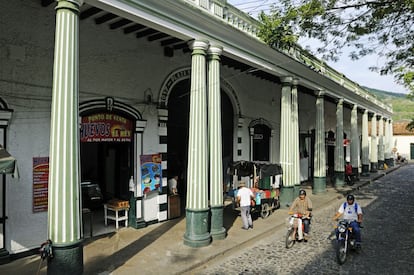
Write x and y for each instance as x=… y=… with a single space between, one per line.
x=402 y=143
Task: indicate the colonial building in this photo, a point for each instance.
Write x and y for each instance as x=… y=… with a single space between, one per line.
x=95 y=90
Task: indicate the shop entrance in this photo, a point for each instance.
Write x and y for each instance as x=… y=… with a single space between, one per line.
x=106 y=157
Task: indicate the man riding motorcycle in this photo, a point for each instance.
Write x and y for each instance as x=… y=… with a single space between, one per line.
x=353 y=212
x=302 y=206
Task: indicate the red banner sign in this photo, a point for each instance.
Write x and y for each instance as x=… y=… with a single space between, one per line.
x=40 y=183
x=106 y=127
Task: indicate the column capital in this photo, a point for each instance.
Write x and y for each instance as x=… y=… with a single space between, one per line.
x=69 y=4
x=198 y=45
x=286 y=80
x=320 y=93
x=340 y=101
x=295 y=81
x=215 y=50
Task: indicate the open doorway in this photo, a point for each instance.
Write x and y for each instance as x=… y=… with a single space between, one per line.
x=261 y=143
x=107 y=164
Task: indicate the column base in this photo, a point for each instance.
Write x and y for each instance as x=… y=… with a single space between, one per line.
x=296 y=190
x=197 y=234
x=217 y=231
x=389 y=162
x=381 y=164
x=365 y=170
x=374 y=167
x=319 y=185
x=339 y=179
x=68 y=259
x=286 y=196
x=355 y=171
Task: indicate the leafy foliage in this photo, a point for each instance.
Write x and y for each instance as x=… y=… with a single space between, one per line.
x=382 y=27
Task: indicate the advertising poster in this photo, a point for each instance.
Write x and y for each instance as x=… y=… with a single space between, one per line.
x=151 y=172
x=40 y=183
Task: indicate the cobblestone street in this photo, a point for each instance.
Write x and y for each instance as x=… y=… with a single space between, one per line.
x=387 y=236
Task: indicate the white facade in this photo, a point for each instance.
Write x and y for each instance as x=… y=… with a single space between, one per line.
x=127 y=68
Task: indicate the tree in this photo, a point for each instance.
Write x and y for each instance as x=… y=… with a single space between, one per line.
x=410 y=125
x=382 y=27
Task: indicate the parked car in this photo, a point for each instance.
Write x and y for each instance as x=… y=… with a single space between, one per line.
x=91 y=195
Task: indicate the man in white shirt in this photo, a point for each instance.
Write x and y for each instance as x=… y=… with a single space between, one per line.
x=244 y=197
x=353 y=212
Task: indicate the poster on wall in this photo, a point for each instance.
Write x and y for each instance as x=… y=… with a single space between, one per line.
x=40 y=183
x=151 y=172
x=105 y=127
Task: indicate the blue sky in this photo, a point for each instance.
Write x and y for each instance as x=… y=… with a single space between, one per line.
x=357 y=71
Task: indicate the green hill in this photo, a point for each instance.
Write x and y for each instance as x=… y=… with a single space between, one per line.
x=403 y=108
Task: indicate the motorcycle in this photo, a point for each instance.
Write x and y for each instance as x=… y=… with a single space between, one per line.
x=345 y=241
x=292 y=221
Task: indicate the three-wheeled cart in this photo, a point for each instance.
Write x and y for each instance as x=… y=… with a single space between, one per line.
x=263 y=179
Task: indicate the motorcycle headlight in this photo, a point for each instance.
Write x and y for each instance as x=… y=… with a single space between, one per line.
x=341 y=229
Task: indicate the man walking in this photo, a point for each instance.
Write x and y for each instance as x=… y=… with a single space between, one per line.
x=244 y=197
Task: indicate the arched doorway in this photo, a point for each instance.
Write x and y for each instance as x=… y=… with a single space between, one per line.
x=178 y=126
x=261 y=145
x=260 y=140
x=108 y=131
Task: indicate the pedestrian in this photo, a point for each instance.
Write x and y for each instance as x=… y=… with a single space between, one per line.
x=302 y=206
x=353 y=212
x=244 y=198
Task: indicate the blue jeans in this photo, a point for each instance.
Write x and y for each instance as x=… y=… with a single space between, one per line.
x=306 y=223
x=356 y=231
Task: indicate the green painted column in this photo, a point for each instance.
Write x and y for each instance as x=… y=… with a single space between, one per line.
x=339 y=145
x=319 y=177
x=374 y=145
x=381 y=144
x=197 y=211
x=295 y=139
x=365 y=146
x=218 y=232
x=355 y=148
x=286 y=158
x=64 y=218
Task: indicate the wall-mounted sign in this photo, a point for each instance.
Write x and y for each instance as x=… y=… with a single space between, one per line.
x=257 y=136
x=151 y=172
x=106 y=127
x=40 y=183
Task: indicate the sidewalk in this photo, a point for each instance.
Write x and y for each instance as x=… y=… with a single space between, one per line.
x=159 y=248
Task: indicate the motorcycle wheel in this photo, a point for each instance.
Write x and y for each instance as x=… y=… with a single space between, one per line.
x=289 y=241
x=341 y=252
x=265 y=211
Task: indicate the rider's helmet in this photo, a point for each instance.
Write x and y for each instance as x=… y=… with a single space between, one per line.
x=350 y=197
x=302 y=192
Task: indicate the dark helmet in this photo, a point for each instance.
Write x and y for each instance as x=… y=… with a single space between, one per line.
x=302 y=192
x=350 y=197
